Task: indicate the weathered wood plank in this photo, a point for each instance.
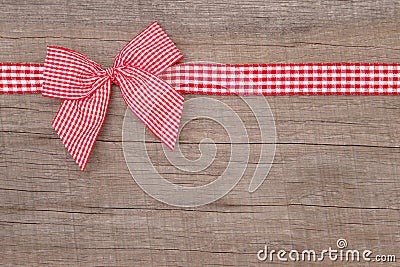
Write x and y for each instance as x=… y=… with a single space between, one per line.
x=335 y=173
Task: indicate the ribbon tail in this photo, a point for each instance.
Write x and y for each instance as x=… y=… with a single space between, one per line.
x=155 y=103
x=78 y=123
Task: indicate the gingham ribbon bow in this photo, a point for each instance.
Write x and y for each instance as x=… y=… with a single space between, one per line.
x=145 y=73
x=85 y=89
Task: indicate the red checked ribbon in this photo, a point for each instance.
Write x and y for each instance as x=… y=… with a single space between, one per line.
x=152 y=86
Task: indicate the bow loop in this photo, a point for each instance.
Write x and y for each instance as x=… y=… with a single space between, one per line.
x=70 y=75
x=151 y=50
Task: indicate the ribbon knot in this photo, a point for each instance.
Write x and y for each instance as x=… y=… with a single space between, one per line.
x=85 y=89
x=111 y=73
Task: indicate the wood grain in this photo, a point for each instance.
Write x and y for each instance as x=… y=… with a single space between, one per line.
x=336 y=168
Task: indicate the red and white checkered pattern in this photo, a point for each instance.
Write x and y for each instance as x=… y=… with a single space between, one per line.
x=20 y=78
x=284 y=79
x=85 y=89
x=151 y=87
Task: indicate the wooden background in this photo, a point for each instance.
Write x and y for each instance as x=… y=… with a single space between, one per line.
x=335 y=173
